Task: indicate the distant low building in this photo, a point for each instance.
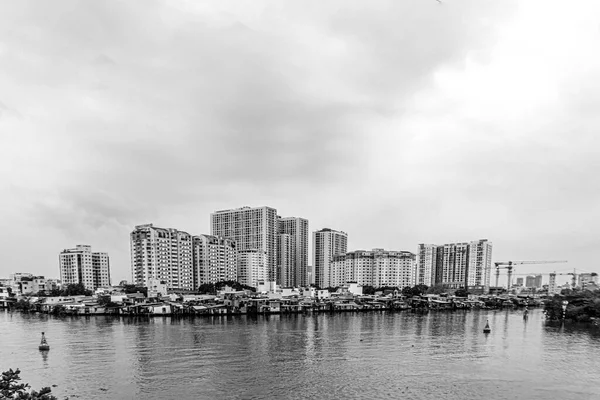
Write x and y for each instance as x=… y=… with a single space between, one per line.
x=519 y=282
x=156 y=288
x=266 y=286
x=587 y=279
x=24 y=283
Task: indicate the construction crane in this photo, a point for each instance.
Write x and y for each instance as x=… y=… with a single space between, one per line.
x=552 y=281
x=509 y=267
x=552 y=276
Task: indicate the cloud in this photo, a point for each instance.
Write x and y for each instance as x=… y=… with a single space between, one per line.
x=397 y=122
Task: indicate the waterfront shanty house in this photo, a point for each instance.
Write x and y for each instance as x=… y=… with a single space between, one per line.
x=344 y=306
x=6 y=296
x=237 y=304
x=198 y=298
x=352 y=288
x=263 y=305
x=158 y=308
x=92 y=309
x=292 y=306
x=437 y=304
x=135 y=298
x=217 y=309
x=118 y=298
x=323 y=294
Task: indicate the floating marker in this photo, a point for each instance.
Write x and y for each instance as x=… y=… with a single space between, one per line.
x=487 y=327
x=44 y=346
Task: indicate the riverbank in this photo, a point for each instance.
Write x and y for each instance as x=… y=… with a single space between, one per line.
x=241 y=303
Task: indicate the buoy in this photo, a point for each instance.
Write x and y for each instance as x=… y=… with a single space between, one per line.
x=487 y=327
x=44 y=346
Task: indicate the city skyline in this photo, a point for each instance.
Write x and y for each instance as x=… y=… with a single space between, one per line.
x=192 y=269
x=115 y=114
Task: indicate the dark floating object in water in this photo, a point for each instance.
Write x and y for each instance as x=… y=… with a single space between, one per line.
x=487 y=327
x=44 y=346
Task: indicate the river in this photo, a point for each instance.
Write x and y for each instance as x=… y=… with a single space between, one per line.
x=380 y=355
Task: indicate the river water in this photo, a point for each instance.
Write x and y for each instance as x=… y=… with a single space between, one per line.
x=380 y=355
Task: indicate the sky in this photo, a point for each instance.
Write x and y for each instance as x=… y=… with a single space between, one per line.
x=398 y=122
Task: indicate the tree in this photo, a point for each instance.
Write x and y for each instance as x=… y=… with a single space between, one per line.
x=59 y=309
x=418 y=290
x=582 y=306
x=407 y=291
x=213 y=288
x=107 y=302
x=436 y=289
x=368 y=290
x=128 y=289
x=10 y=388
x=76 y=289
x=461 y=292
x=24 y=305
x=208 y=288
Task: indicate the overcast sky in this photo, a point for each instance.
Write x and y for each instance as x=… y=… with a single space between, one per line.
x=399 y=122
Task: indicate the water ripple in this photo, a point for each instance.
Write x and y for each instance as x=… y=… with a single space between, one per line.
x=379 y=355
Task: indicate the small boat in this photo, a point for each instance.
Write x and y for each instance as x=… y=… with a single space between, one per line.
x=487 y=328
x=44 y=346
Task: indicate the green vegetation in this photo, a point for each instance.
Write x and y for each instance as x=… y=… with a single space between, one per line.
x=407 y=291
x=73 y=289
x=583 y=306
x=129 y=289
x=10 y=388
x=416 y=290
x=106 y=301
x=24 y=305
x=213 y=288
x=437 y=289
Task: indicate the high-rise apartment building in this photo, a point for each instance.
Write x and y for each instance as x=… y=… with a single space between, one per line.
x=537 y=281
x=455 y=265
x=479 y=264
x=164 y=254
x=215 y=259
x=530 y=281
x=375 y=268
x=426 y=264
x=252 y=267
x=252 y=229
x=327 y=243
x=297 y=228
x=285 y=260
x=81 y=265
